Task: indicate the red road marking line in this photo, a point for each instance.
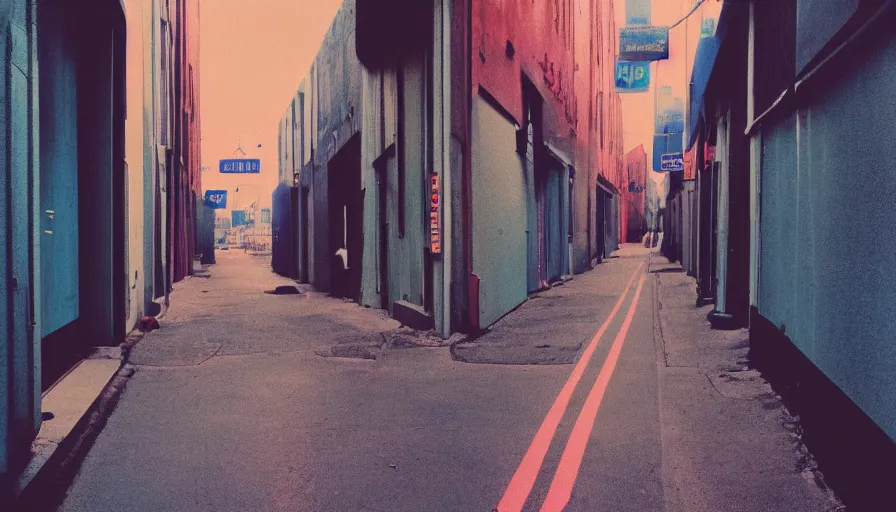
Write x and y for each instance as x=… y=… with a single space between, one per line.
x=524 y=478
x=568 y=469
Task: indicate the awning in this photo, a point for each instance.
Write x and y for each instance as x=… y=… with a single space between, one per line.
x=704 y=61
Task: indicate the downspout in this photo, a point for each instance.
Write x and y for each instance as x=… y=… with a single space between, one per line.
x=755 y=158
x=466 y=198
x=446 y=219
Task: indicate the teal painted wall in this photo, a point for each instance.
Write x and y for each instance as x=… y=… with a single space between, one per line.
x=499 y=229
x=58 y=170
x=20 y=259
x=826 y=254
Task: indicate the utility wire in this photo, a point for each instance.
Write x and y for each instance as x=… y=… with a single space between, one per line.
x=688 y=15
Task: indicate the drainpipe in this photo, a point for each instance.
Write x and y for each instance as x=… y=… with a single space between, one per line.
x=445 y=201
x=467 y=177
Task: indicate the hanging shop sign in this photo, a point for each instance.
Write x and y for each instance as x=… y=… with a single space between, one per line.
x=240 y=166
x=435 y=236
x=640 y=43
x=672 y=162
x=637 y=12
x=216 y=199
x=632 y=76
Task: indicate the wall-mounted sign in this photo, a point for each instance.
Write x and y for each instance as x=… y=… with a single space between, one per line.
x=709 y=153
x=672 y=162
x=216 y=199
x=632 y=76
x=637 y=12
x=240 y=166
x=435 y=237
x=640 y=43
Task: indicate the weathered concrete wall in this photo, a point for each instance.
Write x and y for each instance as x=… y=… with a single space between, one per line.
x=825 y=259
x=19 y=352
x=337 y=86
x=499 y=195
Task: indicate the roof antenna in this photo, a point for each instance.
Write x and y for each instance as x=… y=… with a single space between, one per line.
x=239 y=148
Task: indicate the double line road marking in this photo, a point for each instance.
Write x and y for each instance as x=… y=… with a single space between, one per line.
x=559 y=493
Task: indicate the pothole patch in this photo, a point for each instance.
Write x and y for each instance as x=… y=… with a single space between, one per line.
x=349 y=351
x=410 y=338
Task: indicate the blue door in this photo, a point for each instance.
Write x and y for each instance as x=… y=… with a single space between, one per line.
x=554 y=238
x=58 y=172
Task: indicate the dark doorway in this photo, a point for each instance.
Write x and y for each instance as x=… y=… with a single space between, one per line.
x=346 y=220
x=600 y=200
x=552 y=210
x=82 y=182
x=382 y=187
x=303 y=244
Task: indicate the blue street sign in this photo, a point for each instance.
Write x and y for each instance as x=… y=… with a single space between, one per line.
x=672 y=162
x=664 y=144
x=639 y=43
x=632 y=76
x=240 y=166
x=217 y=199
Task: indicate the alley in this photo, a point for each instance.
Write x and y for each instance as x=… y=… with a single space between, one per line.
x=236 y=405
x=433 y=255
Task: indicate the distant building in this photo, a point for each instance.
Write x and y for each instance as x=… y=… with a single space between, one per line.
x=632 y=220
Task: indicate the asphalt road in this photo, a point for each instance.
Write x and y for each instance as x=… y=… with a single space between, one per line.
x=232 y=408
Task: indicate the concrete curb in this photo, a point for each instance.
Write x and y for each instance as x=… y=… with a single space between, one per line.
x=47 y=487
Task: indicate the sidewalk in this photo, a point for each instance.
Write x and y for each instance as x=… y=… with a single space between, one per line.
x=552 y=326
x=728 y=441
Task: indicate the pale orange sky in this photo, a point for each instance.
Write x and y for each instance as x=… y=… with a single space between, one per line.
x=253 y=56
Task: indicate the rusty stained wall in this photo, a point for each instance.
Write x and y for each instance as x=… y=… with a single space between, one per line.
x=567 y=48
x=541 y=36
